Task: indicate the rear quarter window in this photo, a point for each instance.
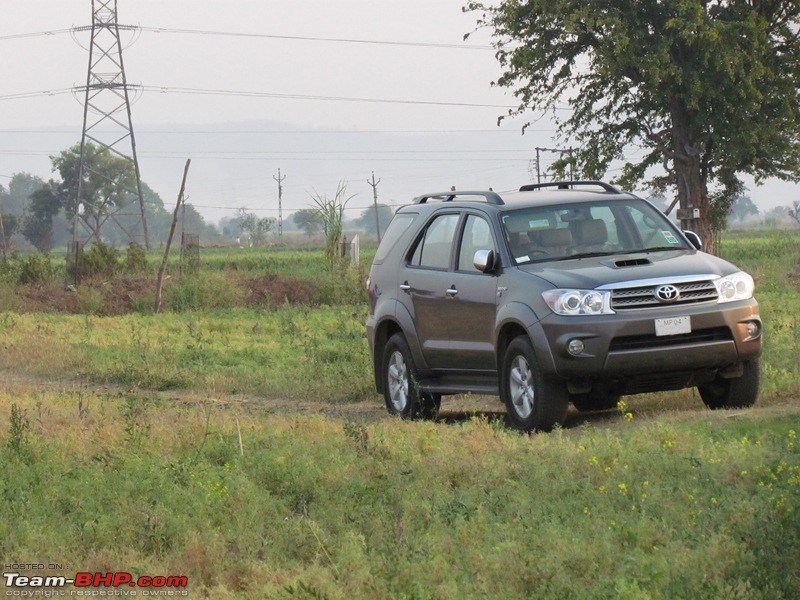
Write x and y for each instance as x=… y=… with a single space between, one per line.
x=393 y=233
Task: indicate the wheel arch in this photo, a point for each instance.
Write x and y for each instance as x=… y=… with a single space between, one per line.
x=385 y=329
x=508 y=332
x=514 y=319
x=398 y=320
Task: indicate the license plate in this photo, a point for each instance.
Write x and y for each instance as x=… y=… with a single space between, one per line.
x=673 y=326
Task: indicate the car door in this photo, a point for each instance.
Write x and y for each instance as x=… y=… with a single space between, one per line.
x=471 y=300
x=424 y=281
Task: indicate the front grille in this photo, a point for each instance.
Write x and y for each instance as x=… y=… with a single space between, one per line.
x=644 y=342
x=645 y=296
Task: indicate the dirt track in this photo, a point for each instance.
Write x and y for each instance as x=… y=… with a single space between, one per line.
x=681 y=406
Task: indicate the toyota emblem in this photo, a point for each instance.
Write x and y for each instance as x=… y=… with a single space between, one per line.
x=667 y=293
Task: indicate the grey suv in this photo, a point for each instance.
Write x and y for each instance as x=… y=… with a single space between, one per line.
x=570 y=292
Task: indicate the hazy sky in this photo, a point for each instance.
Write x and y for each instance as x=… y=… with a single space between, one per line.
x=251 y=63
x=402 y=65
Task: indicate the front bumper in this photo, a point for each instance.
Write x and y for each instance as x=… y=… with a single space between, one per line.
x=625 y=344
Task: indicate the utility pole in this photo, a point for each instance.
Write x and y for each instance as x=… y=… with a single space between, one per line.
x=560 y=152
x=280 y=179
x=2 y=231
x=106 y=95
x=374 y=185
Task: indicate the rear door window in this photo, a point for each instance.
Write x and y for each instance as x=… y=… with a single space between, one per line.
x=434 y=247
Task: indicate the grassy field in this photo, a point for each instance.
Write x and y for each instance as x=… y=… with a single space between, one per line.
x=243 y=446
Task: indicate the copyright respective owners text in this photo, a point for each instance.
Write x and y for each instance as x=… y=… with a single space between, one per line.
x=53 y=580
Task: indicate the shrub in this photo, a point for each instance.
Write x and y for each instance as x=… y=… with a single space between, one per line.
x=346 y=287
x=34 y=269
x=209 y=291
x=136 y=259
x=9 y=270
x=101 y=260
x=8 y=299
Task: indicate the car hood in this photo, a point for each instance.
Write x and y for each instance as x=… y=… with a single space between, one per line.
x=589 y=273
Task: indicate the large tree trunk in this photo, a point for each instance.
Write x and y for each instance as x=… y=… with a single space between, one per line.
x=690 y=179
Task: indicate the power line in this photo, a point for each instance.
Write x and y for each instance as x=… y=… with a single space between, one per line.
x=17 y=36
x=318 y=39
x=248 y=94
x=299 y=38
x=277 y=155
x=23 y=95
x=146 y=131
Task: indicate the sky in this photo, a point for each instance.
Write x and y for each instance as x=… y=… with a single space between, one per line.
x=324 y=91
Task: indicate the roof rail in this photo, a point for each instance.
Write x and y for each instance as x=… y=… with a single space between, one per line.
x=491 y=197
x=565 y=185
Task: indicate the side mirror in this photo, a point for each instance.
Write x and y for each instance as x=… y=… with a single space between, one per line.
x=694 y=239
x=484 y=260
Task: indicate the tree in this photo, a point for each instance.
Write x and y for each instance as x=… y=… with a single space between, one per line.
x=794 y=212
x=708 y=88
x=20 y=188
x=308 y=220
x=257 y=229
x=10 y=225
x=742 y=208
x=109 y=183
x=37 y=226
x=367 y=219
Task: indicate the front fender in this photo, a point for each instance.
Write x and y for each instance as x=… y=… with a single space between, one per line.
x=512 y=319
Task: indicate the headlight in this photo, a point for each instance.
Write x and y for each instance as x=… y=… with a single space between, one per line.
x=738 y=286
x=579 y=302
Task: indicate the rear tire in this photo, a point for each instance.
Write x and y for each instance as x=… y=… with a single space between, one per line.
x=739 y=392
x=533 y=403
x=400 y=389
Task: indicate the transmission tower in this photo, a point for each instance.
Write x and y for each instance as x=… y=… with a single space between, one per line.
x=107 y=124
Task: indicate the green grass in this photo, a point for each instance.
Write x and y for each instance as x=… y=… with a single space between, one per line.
x=104 y=471
x=773 y=259
x=295 y=352
x=341 y=509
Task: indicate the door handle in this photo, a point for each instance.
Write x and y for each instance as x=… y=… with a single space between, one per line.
x=451 y=292
x=405 y=287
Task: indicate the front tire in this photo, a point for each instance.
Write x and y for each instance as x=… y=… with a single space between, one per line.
x=400 y=389
x=533 y=403
x=739 y=392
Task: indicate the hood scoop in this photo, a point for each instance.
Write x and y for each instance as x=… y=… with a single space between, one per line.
x=631 y=262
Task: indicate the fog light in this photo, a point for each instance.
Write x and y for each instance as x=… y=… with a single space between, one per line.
x=752 y=329
x=575 y=347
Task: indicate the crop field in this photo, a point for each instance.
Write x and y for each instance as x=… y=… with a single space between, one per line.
x=236 y=439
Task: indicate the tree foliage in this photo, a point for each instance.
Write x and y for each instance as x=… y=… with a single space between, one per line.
x=794 y=212
x=20 y=189
x=708 y=88
x=44 y=206
x=308 y=219
x=10 y=226
x=109 y=184
x=742 y=208
x=367 y=219
x=254 y=227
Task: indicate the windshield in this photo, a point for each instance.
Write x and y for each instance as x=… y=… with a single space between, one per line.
x=576 y=231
